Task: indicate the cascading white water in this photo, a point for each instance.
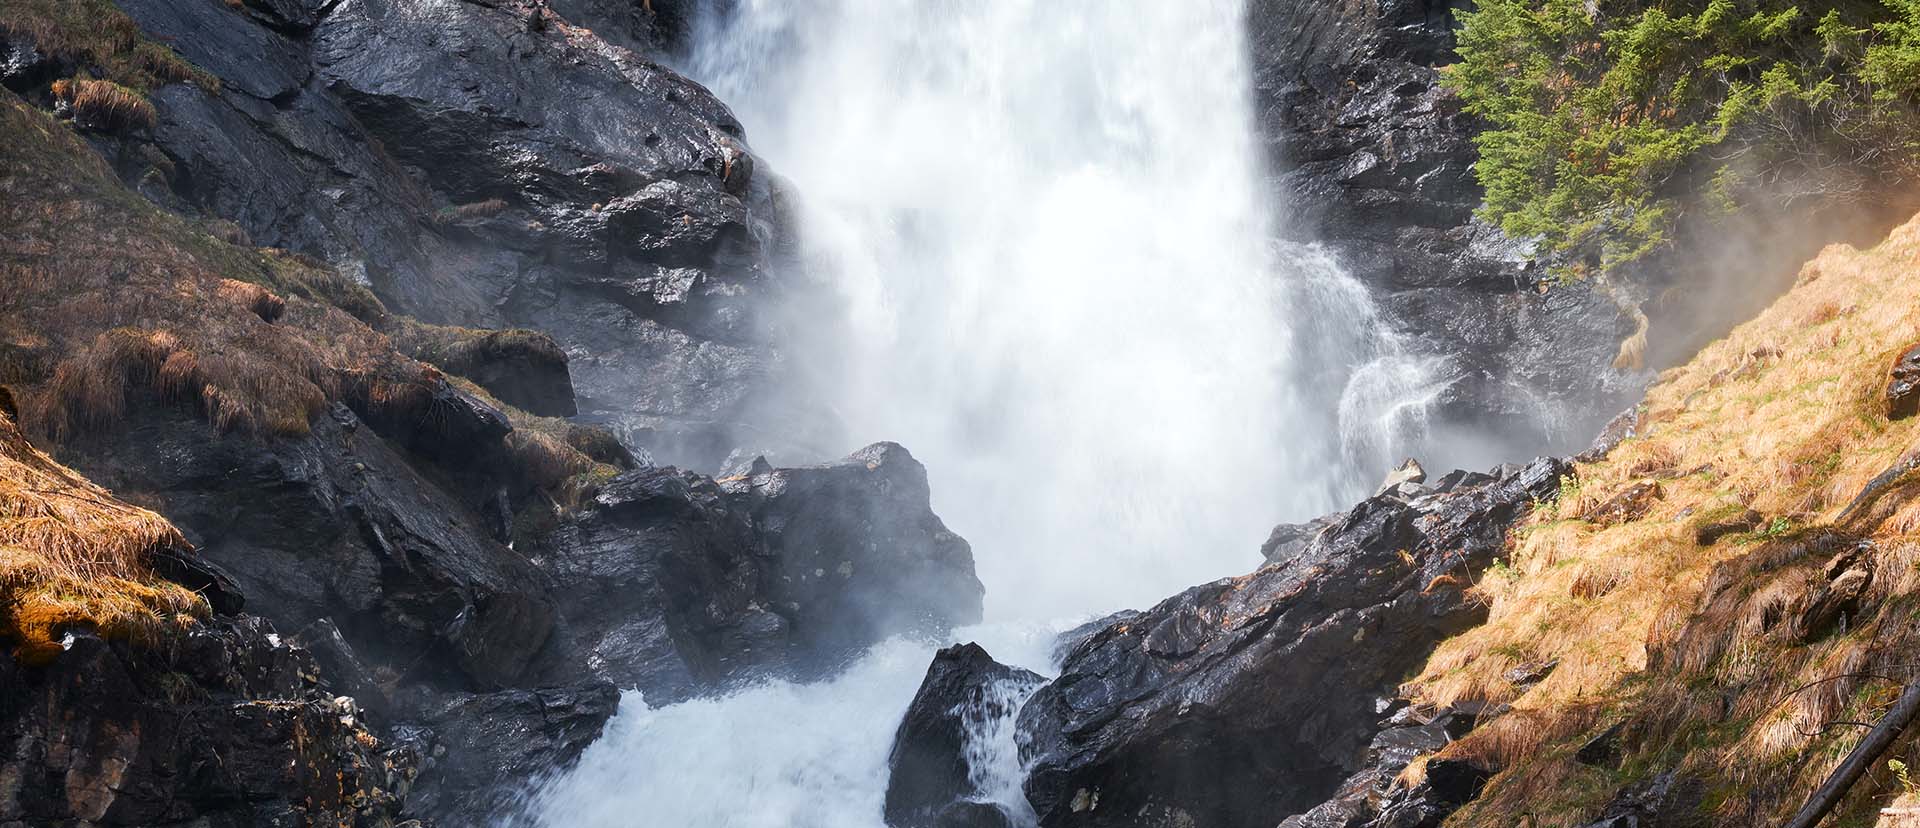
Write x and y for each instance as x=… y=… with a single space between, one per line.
x=1047 y=223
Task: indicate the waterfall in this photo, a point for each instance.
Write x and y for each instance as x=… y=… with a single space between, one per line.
x=1047 y=229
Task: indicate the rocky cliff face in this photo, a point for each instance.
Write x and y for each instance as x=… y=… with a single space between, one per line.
x=462 y=582
x=492 y=165
x=1374 y=160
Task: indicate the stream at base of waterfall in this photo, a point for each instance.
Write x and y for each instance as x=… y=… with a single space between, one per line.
x=1048 y=228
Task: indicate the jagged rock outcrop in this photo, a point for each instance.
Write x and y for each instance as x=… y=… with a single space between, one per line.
x=1375 y=797
x=673 y=583
x=227 y=729
x=339 y=525
x=477 y=751
x=857 y=554
x=1374 y=160
x=660 y=583
x=1239 y=702
x=930 y=782
x=492 y=165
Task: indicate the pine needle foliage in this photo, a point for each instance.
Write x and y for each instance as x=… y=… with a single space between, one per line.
x=1609 y=123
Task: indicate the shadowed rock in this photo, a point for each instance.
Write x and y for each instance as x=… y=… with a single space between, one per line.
x=857 y=553
x=1240 y=701
x=930 y=777
x=226 y=730
x=478 y=750
x=1903 y=386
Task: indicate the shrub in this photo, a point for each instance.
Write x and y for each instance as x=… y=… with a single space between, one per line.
x=1611 y=121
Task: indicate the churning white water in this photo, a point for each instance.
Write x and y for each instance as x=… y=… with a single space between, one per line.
x=1048 y=226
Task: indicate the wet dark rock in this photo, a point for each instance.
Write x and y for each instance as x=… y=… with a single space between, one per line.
x=452 y=425
x=479 y=750
x=1287 y=539
x=673 y=583
x=974 y=815
x=1624 y=425
x=1373 y=797
x=1903 y=386
x=187 y=568
x=857 y=553
x=1664 y=800
x=1848 y=575
x=1528 y=675
x=1445 y=785
x=659 y=583
x=651 y=26
x=339 y=525
x=928 y=785
x=624 y=213
x=1239 y=701
x=342 y=671
x=1461 y=478
x=226 y=730
x=524 y=369
x=1373 y=157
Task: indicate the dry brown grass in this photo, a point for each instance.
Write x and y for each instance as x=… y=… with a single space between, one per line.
x=110 y=298
x=96 y=33
x=73 y=555
x=474 y=211
x=104 y=105
x=1705 y=650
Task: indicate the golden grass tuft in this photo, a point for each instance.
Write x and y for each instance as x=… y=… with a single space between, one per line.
x=1736 y=662
x=73 y=555
x=106 y=106
x=254 y=298
x=110 y=298
x=98 y=34
x=473 y=211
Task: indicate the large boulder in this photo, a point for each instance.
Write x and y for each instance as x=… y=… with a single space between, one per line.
x=674 y=583
x=931 y=780
x=660 y=580
x=1239 y=702
x=857 y=552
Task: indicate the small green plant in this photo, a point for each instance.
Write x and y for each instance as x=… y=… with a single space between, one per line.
x=1901 y=775
x=1773 y=529
x=1566 y=502
x=1500 y=569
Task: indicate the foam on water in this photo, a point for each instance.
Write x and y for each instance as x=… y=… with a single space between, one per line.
x=1049 y=227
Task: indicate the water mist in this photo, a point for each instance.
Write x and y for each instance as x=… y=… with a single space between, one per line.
x=1047 y=224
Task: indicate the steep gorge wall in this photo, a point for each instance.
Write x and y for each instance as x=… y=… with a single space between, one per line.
x=476 y=578
x=1372 y=158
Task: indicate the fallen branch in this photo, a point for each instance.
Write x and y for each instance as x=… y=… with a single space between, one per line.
x=1857 y=762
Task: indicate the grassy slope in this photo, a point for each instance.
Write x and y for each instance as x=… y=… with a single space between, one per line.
x=109 y=304
x=1717 y=657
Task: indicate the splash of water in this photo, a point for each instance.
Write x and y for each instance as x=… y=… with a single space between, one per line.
x=1046 y=222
